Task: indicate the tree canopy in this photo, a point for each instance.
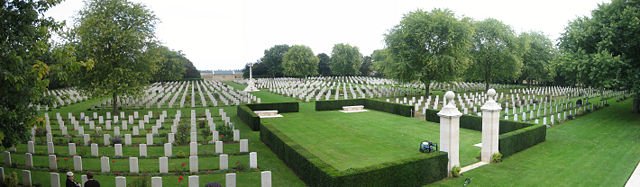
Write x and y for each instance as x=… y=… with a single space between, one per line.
x=300 y=61
x=170 y=65
x=323 y=64
x=272 y=60
x=24 y=46
x=428 y=46
x=602 y=50
x=345 y=60
x=494 y=53
x=537 y=53
x=114 y=35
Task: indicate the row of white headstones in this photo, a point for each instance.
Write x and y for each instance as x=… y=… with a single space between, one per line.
x=121 y=181
x=63 y=97
x=158 y=94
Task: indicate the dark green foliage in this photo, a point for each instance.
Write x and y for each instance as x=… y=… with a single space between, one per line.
x=393 y=108
x=245 y=112
x=475 y=122
x=248 y=117
x=225 y=133
x=323 y=64
x=521 y=139
x=191 y=72
x=272 y=60
x=183 y=134
x=311 y=169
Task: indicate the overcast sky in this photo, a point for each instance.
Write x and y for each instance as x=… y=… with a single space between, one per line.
x=226 y=34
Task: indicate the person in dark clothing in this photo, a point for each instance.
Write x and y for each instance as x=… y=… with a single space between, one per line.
x=90 y=181
x=70 y=182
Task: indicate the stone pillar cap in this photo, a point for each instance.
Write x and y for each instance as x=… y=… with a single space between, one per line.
x=450 y=109
x=491 y=105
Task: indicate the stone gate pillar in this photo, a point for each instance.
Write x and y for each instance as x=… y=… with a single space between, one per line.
x=450 y=131
x=490 y=127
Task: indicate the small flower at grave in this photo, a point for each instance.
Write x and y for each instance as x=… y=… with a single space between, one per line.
x=73 y=129
x=68 y=167
x=236 y=163
x=222 y=135
x=113 y=161
x=180 y=178
x=182 y=164
x=57 y=160
x=65 y=159
x=147 y=130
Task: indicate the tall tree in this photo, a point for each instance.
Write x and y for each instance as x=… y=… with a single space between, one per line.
x=171 y=65
x=24 y=36
x=537 y=54
x=323 y=64
x=191 y=72
x=345 y=60
x=113 y=34
x=300 y=61
x=428 y=46
x=494 y=52
x=365 y=68
x=272 y=59
x=609 y=41
x=380 y=59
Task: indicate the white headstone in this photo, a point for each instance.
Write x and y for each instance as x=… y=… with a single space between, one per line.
x=167 y=150
x=28 y=160
x=53 y=165
x=193 y=164
x=72 y=149
x=77 y=163
x=149 y=139
x=230 y=180
x=133 y=165
x=194 y=181
x=104 y=164
x=121 y=181
x=265 y=179
x=156 y=181
x=224 y=161
x=219 y=147
x=193 y=149
x=26 y=178
x=253 y=160
x=50 y=148
x=94 y=149
x=244 y=145
x=55 y=179
x=142 y=150
x=164 y=164
x=118 y=150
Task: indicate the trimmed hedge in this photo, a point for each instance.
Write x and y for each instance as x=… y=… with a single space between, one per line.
x=393 y=108
x=315 y=172
x=248 y=117
x=521 y=139
x=245 y=112
x=514 y=136
x=475 y=122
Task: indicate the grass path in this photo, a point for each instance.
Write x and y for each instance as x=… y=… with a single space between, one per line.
x=599 y=149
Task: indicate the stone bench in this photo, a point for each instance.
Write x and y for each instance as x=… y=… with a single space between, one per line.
x=353 y=108
x=267 y=113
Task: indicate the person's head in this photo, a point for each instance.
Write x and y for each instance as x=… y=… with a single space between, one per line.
x=90 y=175
x=70 y=175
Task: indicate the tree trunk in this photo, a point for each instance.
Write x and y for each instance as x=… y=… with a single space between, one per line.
x=636 y=104
x=426 y=89
x=115 y=103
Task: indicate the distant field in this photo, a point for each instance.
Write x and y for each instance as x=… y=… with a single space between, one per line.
x=357 y=140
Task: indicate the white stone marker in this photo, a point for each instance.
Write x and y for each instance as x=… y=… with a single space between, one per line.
x=193 y=164
x=164 y=164
x=133 y=164
x=253 y=160
x=49 y=137
x=94 y=149
x=265 y=179
x=118 y=150
x=219 y=147
x=55 y=179
x=143 y=150
x=136 y=131
x=490 y=127
x=156 y=181
x=30 y=147
x=127 y=139
x=171 y=137
x=53 y=165
x=149 y=139
x=194 y=137
x=167 y=150
x=87 y=138
x=104 y=164
x=194 y=181
x=50 y=148
x=107 y=142
x=7 y=158
x=215 y=135
x=230 y=180
x=193 y=149
x=224 y=161
x=77 y=163
x=26 y=178
x=244 y=145
x=121 y=181
x=450 y=131
x=72 y=149
x=236 y=135
x=28 y=160
x=83 y=179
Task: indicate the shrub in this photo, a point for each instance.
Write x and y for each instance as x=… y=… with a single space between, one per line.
x=183 y=133
x=11 y=180
x=225 y=132
x=248 y=117
x=205 y=132
x=116 y=140
x=521 y=139
x=393 y=108
x=495 y=158
x=201 y=124
x=213 y=184
x=455 y=171
x=239 y=166
x=180 y=154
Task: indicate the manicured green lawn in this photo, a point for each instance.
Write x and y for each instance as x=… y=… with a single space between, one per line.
x=357 y=140
x=598 y=149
